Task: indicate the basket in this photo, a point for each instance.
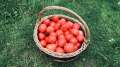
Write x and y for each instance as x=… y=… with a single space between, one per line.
x=58 y=56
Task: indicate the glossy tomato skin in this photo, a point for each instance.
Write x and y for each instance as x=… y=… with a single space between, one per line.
x=43 y=43
x=42 y=28
x=59 y=50
x=51 y=47
x=69 y=47
x=55 y=19
x=57 y=26
x=50 y=29
x=76 y=26
x=52 y=24
x=46 y=21
x=41 y=36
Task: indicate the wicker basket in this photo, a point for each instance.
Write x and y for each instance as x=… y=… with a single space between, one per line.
x=58 y=56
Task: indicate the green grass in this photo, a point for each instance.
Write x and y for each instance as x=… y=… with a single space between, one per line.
x=18 y=18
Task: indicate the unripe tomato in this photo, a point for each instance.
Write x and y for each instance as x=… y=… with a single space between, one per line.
x=55 y=19
x=51 y=47
x=42 y=28
x=46 y=21
x=59 y=50
x=41 y=36
x=69 y=47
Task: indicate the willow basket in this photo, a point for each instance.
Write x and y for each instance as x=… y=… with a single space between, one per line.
x=77 y=19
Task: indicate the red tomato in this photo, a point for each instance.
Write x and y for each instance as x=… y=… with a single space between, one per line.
x=52 y=39
x=68 y=37
x=43 y=43
x=64 y=28
x=42 y=28
x=47 y=39
x=70 y=24
x=55 y=18
x=46 y=21
x=73 y=40
x=50 y=29
x=75 y=48
x=81 y=33
x=62 y=21
x=41 y=36
x=61 y=37
x=51 y=47
x=53 y=34
x=69 y=47
x=57 y=26
x=80 y=38
x=59 y=32
x=61 y=42
x=59 y=50
x=78 y=45
x=75 y=31
x=66 y=33
x=52 y=24
x=76 y=26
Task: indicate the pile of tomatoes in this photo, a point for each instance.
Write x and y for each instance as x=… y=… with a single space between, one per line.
x=60 y=35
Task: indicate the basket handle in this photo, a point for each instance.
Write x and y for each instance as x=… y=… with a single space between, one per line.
x=68 y=11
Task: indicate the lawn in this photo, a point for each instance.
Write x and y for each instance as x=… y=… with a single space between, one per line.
x=18 y=18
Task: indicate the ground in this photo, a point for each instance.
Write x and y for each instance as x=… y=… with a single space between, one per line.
x=18 y=18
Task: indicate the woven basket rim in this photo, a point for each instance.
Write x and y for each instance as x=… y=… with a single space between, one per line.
x=55 y=54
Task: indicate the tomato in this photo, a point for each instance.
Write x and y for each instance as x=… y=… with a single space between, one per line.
x=61 y=42
x=53 y=34
x=52 y=39
x=47 y=39
x=42 y=28
x=70 y=24
x=57 y=26
x=75 y=48
x=69 y=47
x=75 y=31
x=59 y=32
x=76 y=26
x=81 y=33
x=73 y=40
x=46 y=21
x=65 y=27
x=51 y=47
x=41 y=36
x=50 y=29
x=68 y=36
x=52 y=24
x=55 y=18
x=59 y=50
x=43 y=43
x=80 y=38
x=62 y=21
x=78 y=45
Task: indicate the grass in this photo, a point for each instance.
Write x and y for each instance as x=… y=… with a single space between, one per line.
x=18 y=18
